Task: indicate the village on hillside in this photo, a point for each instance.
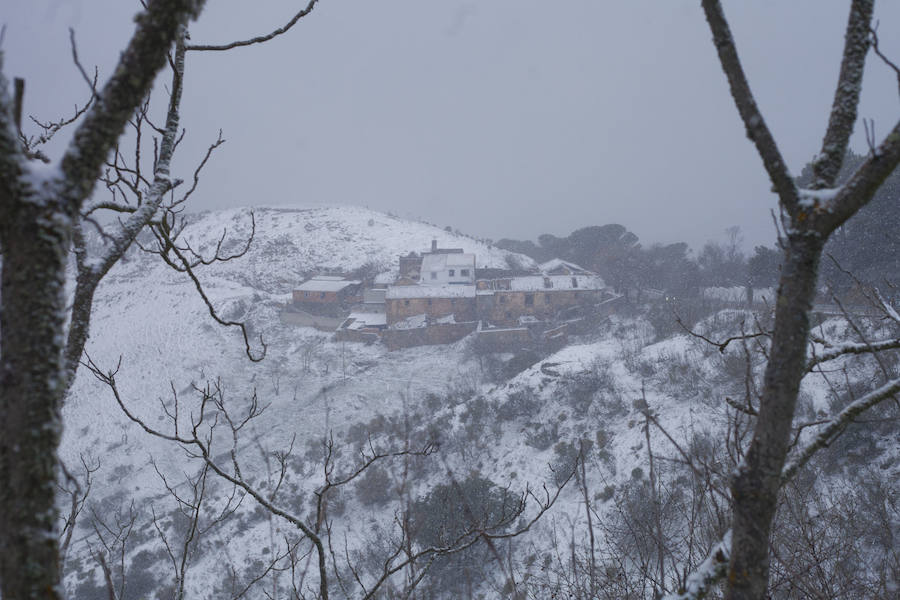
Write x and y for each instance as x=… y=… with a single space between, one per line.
x=439 y=296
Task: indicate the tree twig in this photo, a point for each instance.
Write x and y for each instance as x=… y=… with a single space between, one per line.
x=258 y=39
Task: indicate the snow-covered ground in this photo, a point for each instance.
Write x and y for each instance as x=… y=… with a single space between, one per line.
x=515 y=429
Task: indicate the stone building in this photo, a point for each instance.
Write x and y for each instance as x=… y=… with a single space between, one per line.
x=410 y=266
x=433 y=302
x=327 y=293
x=506 y=301
x=439 y=298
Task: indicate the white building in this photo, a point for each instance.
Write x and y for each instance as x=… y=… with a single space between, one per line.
x=451 y=268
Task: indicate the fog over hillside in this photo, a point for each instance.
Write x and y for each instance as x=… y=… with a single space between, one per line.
x=408 y=300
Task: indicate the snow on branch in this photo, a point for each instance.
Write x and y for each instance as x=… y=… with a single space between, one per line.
x=712 y=570
x=888 y=309
x=836 y=425
x=90 y=272
x=846 y=95
x=852 y=348
x=157 y=29
x=862 y=185
x=811 y=198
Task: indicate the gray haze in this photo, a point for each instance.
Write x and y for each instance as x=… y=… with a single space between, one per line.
x=503 y=118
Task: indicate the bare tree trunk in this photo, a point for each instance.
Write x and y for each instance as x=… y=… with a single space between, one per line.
x=756 y=486
x=38 y=210
x=655 y=501
x=809 y=217
x=31 y=391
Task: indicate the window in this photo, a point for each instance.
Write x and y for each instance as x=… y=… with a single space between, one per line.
x=433 y=275
x=452 y=272
x=464 y=272
x=322 y=295
x=547 y=282
x=502 y=299
x=429 y=302
x=574 y=282
x=406 y=303
x=529 y=299
x=453 y=301
x=306 y=294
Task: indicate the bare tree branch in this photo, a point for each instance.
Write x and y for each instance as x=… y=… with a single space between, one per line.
x=837 y=424
x=846 y=96
x=38 y=209
x=851 y=348
x=132 y=79
x=89 y=275
x=721 y=346
x=757 y=130
x=881 y=55
x=259 y=39
x=861 y=186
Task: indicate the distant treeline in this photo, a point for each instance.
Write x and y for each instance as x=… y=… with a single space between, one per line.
x=866 y=248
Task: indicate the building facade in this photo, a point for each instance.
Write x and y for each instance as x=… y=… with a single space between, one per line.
x=434 y=302
x=324 y=292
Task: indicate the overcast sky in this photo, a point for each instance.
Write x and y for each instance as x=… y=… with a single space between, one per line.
x=503 y=118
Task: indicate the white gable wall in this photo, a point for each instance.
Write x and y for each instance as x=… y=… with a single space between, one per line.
x=443 y=269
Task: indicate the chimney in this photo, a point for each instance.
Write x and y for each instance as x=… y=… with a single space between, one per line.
x=433 y=246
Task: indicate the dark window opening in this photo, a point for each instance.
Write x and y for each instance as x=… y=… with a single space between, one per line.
x=464 y=272
x=529 y=299
x=452 y=272
x=574 y=282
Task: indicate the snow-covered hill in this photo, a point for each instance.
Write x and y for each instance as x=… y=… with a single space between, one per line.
x=151 y=322
x=292 y=243
x=517 y=420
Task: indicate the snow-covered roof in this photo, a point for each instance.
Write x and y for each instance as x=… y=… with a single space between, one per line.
x=442 y=262
x=361 y=320
x=535 y=283
x=325 y=284
x=413 y=322
x=557 y=263
x=430 y=291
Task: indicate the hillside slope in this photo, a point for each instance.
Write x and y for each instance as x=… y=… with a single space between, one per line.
x=518 y=420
